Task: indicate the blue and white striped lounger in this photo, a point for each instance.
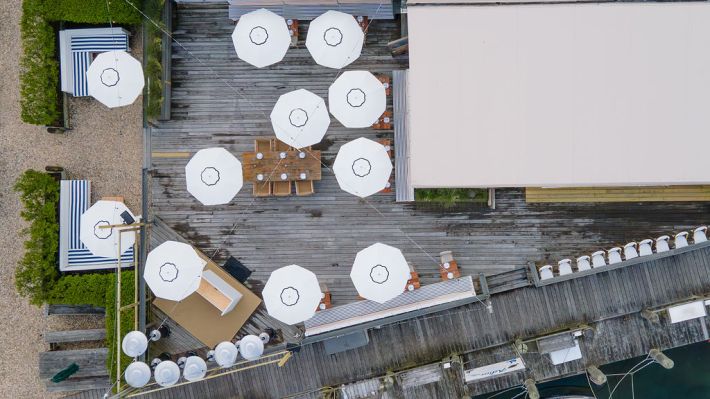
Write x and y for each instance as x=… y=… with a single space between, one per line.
x=74 y=199
x=82 y=47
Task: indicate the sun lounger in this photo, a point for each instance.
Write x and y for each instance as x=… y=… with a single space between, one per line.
x=564 y=267
x=74 y=198
x=546 y=272
x=583 y=263
x=645 y=247
x=614 y=255
x=598 y=259
x=662 y=244
x=700 y=235
x=630 y=251
x=681 y=240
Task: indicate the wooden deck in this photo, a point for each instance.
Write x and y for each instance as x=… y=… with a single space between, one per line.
x=618 y=194
x=323 y=232
x=609 y=302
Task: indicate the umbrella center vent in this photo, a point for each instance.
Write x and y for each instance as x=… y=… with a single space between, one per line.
x=356 y=97
x=333 y=37
x=379 y=274
x=258 y=35
x=168 y=272
x=102 y=233
x=298 y=117
x=210 y=176
x=289 y=296
x=110 y=77
x=361 y=167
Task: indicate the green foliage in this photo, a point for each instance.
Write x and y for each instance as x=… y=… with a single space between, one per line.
x=127 y=318
x=450 y=196
x=81 y=289
x=39 y=69
x=92 y=11
x=36 y=272
x=153 y=53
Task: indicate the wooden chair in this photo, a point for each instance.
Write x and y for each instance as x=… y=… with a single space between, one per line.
x=304 y=187
x=326 y=299
x=262 y=189
x=293 y=31
x=449 y=269
x=385 y=122
x=388 y=146
x=279 y=145
x=282 y=188
x=363 y=22
x=387 y=82
x=413 y=283
x=262 y=145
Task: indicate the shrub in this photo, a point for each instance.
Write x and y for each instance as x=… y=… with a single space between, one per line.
x=37 y=272
x=127 y=317
x=39 y=70
x=81 y=289
x=92 y=11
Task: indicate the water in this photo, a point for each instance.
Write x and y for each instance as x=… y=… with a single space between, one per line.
x=689 y=379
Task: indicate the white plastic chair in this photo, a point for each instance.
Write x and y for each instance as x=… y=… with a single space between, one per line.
x=700 y=234
x=681 y=240
x=662 y=244
x=564 y=267
x=583 y=263
x=614 y=255
x=645 y=247
x=598 y=259
x=630 y=251
x=546 y=272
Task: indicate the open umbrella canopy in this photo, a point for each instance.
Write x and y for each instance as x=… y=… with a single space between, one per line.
x=380 y=272
x=195 y=368
x=334 y=39
x=261 y=38
x=103 y=241
x=173 y=270
x=251 y=347
x=300 y=118
x=137 y=374
x=362 y=167
x=214 y=176
x=292 y=294
x=357 y=99
x=225 y=354
x=167 y=373
x=134 y=343
x=115 y=78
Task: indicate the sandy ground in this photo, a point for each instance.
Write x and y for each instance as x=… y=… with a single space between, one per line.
x=105 y=146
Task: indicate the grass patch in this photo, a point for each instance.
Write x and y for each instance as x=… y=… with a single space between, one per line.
x=153 y=54
x=451 y=196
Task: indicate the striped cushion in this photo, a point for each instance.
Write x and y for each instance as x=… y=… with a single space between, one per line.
x=82 y=47
x=78 y=204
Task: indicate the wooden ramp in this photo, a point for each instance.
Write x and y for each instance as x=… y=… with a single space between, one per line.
x=618 y=194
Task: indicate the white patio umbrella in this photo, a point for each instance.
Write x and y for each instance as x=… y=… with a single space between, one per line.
x=261 y=38
x=380 y=272
x=292 y=294
x=134 y=343
x=334 y=39
x=300 y=118
x=362 y=167
x=195 y=368
x=167 y=373
x=137 y=374
x=115 y=78
x=104 y=241
x=214 y=176
x=173 y=270
x=251 y=347
x=357 y=99
x=225 y=354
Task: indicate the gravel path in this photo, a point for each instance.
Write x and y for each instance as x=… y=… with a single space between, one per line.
x=105 y=147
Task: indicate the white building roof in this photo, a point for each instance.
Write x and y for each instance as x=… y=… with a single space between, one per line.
x=559 y=95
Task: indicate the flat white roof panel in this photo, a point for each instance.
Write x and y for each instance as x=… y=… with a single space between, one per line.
x=559 y=95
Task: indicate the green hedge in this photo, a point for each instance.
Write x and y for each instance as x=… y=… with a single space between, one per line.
x=92 y=11
x=37 y=271
x=127 y=298
x=39 y=69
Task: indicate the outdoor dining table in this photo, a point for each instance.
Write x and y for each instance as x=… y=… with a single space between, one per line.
x=281 y=166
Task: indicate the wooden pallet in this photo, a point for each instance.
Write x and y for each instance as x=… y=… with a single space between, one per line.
x=618 y=194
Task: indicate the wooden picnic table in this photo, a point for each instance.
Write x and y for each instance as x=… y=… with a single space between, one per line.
x=271 y=169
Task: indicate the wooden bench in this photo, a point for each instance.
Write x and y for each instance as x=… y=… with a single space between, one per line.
x=59 y=337
x=92 y=373
x=73 y=310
